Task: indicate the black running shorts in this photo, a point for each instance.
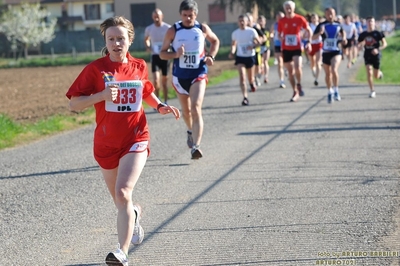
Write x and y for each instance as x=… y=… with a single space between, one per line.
x=158 y=63
x=248 y=62
x=289 y=54
x=374 y=60
x=327 y=57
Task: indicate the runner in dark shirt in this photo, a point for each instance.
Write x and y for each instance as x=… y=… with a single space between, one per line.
x=373 y=42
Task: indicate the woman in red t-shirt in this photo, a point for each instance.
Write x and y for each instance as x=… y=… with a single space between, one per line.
x=116 y=85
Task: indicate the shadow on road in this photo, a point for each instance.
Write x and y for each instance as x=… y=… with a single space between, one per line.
x=77 y=170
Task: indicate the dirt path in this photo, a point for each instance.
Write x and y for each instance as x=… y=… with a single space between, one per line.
x=30 y=94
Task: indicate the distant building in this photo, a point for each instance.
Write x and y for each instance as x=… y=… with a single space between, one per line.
x=78 y=21
x=76 y=15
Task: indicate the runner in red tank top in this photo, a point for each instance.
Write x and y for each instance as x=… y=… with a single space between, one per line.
x=289 y=29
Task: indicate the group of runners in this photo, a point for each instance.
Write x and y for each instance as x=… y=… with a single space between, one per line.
x=325 y=42
x=117 y=84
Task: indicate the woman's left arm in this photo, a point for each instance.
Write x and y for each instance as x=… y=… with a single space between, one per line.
x=153 y=101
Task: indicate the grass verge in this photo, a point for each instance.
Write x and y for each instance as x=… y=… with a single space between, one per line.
x=390 y=63
x=13 y=133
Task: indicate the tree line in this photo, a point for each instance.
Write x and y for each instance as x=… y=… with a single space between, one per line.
x=27 y=25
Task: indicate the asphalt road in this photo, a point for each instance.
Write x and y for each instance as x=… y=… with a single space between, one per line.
x=280 y=183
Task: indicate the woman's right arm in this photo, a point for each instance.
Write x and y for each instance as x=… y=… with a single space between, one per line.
x=83 y=93
x=78 y=103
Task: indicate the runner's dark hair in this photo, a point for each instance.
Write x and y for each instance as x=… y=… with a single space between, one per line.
x=189 y=5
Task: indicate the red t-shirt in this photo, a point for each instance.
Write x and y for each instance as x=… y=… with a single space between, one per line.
x=127 y=122
x=290 y=29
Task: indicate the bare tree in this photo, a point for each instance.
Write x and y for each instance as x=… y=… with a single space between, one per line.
x=27 y=24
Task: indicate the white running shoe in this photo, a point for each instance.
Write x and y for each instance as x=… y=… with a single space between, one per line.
x=117 y=257
x=372 y=94
x=138 y=232
x=196 y=153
